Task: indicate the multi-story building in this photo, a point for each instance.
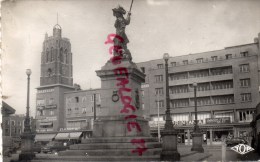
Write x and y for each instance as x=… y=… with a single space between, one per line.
x=228 y=82
x=56 y=79
x=14 y=125
x=81 y=107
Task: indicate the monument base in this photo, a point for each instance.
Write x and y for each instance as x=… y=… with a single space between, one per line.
x=111 y=138
x=117 y=127
x=112 y=146
x=27 y=147
x=197 y=142
x=169 y=146
x=26 y=156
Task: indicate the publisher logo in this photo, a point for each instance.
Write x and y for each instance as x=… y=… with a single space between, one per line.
x=242 y=149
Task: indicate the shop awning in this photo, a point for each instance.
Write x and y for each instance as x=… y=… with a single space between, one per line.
x=45 y=123
x=223 y=112
x=44 y=137
x=62 y=136
x=75 y=135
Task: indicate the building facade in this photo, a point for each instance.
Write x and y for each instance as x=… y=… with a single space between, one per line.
x=14 y=125
x=56 y=79
x=81 y=107
x=227 y=91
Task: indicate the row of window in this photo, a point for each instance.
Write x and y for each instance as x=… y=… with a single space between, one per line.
x=13 y=122
x=203 y=101
x=78 y=124
x=15 y=131
x=203 y=73
x=78 y=99
x=43 y=102
x=83 y=110
x=45 y=112
x=201 y=60
x=242 y=116
x=203 y=86
x=50 y=54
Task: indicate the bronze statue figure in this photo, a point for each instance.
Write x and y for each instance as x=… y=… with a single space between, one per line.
x=120 y=25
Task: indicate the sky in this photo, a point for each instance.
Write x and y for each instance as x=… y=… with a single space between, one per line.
x=178 y=27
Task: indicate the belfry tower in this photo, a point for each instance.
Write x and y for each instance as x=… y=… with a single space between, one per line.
x=56 y=59
x=56 y=78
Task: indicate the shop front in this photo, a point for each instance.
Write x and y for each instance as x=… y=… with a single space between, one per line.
x=214 y=130
x=44 y=138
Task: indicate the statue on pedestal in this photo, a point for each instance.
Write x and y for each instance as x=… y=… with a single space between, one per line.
x=120 y=25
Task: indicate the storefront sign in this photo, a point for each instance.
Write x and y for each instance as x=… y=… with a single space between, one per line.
x=45 y=90
x=51 y=106
x=65 y=129
x=223 y=120
x=47 y=119
x=190 y=122
x=177 y=123
x=44 y=130
x=154 y=124
x=40 y=107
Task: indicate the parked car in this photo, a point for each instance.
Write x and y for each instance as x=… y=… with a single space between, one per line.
x=37 y=148
x=53 y=147
x=235 y=141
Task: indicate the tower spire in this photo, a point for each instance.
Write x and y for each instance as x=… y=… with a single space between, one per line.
x=57 y=28
x=57 y=18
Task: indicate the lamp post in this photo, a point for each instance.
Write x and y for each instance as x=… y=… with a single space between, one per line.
x=95 y=113
x=196 y=128
x=169 y=134
x=197 y=135
x=27 y=136
x=158 y=125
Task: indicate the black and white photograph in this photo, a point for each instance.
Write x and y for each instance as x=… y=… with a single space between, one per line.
x=130 y=80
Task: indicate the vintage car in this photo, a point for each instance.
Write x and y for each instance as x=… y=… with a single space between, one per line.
x=54 y=147
x=235 y=141
x=37 y=148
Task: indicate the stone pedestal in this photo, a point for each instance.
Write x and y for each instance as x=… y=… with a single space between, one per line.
x=116 y=127
x=112 y=123
x=27 y=152
x=113 y=138
x=197 y=142
x=169 y=147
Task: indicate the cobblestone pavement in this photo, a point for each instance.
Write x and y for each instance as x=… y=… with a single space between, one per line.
x=211 y=153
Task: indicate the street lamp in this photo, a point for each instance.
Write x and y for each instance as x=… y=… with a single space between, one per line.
x=197 y=135
x=27 y=126
x=169 y=134
x=95 y=112
x=158 y=125
x=196 y=127
x=168 y=123
x=27 y=136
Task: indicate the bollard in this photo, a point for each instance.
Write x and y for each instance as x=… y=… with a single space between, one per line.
x=223 y=149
